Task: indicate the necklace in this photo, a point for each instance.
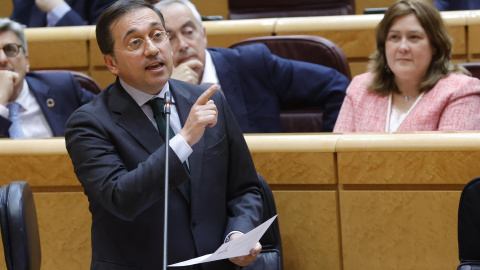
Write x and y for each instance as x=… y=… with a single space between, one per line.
x=408 y=98
x=392 y=127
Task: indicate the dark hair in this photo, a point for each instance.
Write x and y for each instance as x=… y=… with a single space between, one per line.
x=113 y=14
x=429 y=17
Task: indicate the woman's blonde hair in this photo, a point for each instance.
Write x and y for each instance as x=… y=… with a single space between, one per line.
x=429 y=17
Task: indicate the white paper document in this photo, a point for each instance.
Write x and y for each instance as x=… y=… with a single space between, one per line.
x=239 y=247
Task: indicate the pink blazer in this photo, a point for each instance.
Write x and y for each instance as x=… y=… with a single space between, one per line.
x=453 y=104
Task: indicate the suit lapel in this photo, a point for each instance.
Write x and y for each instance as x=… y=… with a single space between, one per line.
x=231 y=87
x=132 y=119
x=184 y=102
x=42 y=93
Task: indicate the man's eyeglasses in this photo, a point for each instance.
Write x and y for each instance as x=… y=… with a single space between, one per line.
x=137 y=44
x=11 y=49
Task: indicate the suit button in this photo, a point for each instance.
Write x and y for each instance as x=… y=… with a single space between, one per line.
x=194 y=224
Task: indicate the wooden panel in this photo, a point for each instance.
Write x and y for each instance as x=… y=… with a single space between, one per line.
x=64 y=221
x=297 y=159
x=355 y=35
x=103 y=76
x=64 y=226
x=409 y=141
x=459 y=37
x=212 y=7
x=65 y=55
x=298 y=168
x=6 y=8
x=357 y=68
x=225 y=33
x=54 y=170
x=309 y=229
x=474 y=36
x=408 y=167
x=423 y=158
x=58 y=48
x=399 y=230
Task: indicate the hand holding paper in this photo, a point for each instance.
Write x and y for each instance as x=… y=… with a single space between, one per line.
x=247 y=259
x=241 y=246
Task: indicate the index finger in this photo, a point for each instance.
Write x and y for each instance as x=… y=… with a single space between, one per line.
x=203 y=98
x=194 y=63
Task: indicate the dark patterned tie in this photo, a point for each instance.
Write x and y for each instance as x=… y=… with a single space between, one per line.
x=157 y=105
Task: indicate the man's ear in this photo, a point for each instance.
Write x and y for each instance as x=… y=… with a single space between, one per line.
x=205 y=36
x=27 y=64
x=111 y=63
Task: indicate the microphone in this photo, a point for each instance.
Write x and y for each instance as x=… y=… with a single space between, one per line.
x=168 y=102
x=168 y=105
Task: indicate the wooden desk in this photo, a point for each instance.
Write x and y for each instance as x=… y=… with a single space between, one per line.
x=352 y=201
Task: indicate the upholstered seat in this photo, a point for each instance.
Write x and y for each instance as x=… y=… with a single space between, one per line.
x=469 y=226
x=473 y=67
x=271 y=257
x=313 y=49
x=18 y=220
x=87 y=82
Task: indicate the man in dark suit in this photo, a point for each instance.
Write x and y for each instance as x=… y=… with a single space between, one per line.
x=41 y=13
x=256 y=83
x=118 y=155
x=32 y=105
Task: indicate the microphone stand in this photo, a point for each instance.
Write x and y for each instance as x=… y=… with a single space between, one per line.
x=168 y=105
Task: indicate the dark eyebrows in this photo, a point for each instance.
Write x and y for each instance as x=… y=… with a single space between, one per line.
x=133 y=30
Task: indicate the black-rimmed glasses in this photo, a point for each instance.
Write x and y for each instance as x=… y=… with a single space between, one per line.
x=11 y=49
x=137 y=44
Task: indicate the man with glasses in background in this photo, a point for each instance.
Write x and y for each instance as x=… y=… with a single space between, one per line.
x=257 y=84
x=117 y=147
x=32 y=105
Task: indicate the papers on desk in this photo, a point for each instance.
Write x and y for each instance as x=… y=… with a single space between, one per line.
x=241 y=246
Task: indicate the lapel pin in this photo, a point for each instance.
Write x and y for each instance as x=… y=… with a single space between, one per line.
x=50 y=102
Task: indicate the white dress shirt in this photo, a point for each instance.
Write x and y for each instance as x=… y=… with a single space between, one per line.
x=209 y=73
x=178 y=144
x=31 y=117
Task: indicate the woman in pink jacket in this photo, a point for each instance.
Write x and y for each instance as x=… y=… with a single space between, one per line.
x=412 y=85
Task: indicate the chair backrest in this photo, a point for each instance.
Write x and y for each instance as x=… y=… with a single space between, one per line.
x=473 y=67
x=312 y=49
x=271 y=257
x=469 y=225
x=87 y=82
x=248 y=9
x=19 y=226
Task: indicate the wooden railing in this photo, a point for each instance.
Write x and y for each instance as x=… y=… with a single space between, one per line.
x=352 y=201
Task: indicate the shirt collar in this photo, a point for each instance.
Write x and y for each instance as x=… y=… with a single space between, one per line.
x=141 y=97
x=209 y=73
x=23 y=97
